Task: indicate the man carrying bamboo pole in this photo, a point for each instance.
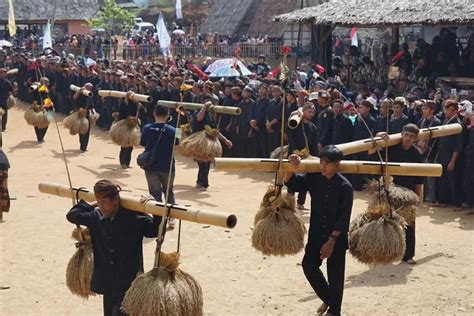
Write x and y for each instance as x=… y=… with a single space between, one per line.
x=406 y=152
x=117 y=238
x=331 y=207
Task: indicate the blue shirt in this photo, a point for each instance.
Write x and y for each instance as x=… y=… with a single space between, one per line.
x=164 y=150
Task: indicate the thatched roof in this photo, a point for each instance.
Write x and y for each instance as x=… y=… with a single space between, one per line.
x=37 y=10
x=226 y=16
x=263 y=20
x=385 y=12
x=262 y=23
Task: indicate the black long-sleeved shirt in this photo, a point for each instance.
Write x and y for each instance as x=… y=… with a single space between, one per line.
x=342 y=129
x=324 y=126
x=331 y=205
x=116 y=244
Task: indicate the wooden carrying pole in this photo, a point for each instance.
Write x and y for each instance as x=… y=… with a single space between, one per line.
x=12 y=72
x=395 y=139
x=295 y=118
x=34 y=86
x=119 y=94
x=85 y=92
x=231 y=110
x=346 y=166
x=153 y=207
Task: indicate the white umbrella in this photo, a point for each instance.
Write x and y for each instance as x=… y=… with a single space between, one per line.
x=228 y=62
x=178 y=32
x=5 y=43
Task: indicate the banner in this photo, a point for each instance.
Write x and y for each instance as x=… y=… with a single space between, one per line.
x=47 y=40
x=163 y=35
x=179 y=12
x=11 y=19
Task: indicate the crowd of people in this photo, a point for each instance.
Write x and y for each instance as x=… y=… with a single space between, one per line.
x=329 y=114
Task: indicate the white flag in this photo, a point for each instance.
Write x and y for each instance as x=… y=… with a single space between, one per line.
x=163 y=35
x=179 y=12
x=47 y=40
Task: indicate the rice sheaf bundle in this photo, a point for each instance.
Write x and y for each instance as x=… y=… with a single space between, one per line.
x=279 y=229
x=166 y=290
x=126 y=132
x=80 y=266
x=201 y=146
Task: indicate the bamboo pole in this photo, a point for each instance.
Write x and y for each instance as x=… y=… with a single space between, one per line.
x=295 y=118
x=85 y=92
x=34 y=86
x=153 y=207
x=395 y=139
x=231 y=110
x=12 y=72
x=346 y=166
x=119 y=94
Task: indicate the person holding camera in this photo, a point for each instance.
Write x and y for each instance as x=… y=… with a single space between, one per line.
x=158 y=139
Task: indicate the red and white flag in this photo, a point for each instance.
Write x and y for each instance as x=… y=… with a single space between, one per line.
x=354 y=39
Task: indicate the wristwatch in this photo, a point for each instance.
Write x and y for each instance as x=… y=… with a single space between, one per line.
x=333 y=237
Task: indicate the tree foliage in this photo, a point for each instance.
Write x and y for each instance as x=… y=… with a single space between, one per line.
x=113 y=18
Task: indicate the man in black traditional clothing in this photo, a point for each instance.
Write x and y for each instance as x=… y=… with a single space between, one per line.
x=331 y=207
x=117 y=242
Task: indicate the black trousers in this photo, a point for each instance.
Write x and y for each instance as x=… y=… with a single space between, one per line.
x=203 y=173
x=259 y=143
x=125 y=156
x=40 y=133
x=4 y=119
x=330 y=291
x=84 y=139
x=112 y=305
x=448 y=191
x=409 y=242
x=273 y=141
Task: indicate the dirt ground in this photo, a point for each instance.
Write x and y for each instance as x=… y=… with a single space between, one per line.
x=236 y=280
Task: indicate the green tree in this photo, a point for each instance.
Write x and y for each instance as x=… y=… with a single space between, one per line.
x=113 y=18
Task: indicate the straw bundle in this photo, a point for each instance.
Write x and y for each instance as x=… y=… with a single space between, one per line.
x=377 y=240
x=126 y=133
x=275 y=154
x=201 y=146
x=11 y=102
x=80 y=266
x=186 y=131
x=77 y=122
x=36 y=116
x=165 y=290
x=279 y=229
x=402 y=200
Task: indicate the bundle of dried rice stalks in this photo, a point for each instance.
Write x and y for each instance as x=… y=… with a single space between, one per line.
x=186 y=131
x=279 y=229
x=275 y=154
x=37 y=116
x=11 y=102
x=402 y=200
x=166 y=290
x=201 y=146
x=377 y=240
x=80 y=266
x=93 y=117
x=126 y=133
x=77 y=122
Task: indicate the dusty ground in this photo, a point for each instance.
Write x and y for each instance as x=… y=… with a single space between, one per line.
x=35 y=243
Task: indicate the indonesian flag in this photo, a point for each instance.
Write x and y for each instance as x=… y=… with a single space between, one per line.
x=354 y=39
